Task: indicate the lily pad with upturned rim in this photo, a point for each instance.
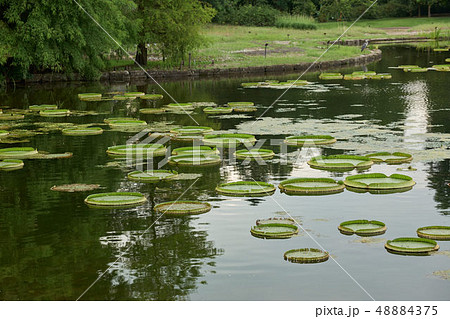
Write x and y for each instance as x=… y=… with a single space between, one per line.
x=309 y=140
x=90 y=96
x=152 y=111
x=195 y=160
x=126 y=123
x=17 y=152
x=180 y=106
x=311 y=186
x=254 y=154
x=82 y=131
x=306 y=255
x=390 y=158
x=218 y=110
x=276 y=220
x=195 y=150
x=115 y=200
x=54 y=113
x=251 y=188
x=362 y=227
x=228 y=140
x=434 y=232
x=331 y=76
x=145 y=150
x=38 y=108
x=340 y=162
x=411 y=246
x=183 y=208
x=11 y=164
x=192 y=130
x=3 y=133
x=151 y=97
x=240 y=104
x=379 y=181
x=274 y=231
x=47 y=156
x=151 y=176
x=11 y=117
x=73 y=188
x=134 y=94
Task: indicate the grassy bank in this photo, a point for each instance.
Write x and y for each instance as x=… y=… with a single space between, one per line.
x=239 y=46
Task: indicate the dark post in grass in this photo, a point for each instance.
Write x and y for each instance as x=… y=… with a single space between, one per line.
x=265 y=50
x=190 y=56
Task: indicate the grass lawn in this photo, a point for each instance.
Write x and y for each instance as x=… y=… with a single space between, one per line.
x=239 y=46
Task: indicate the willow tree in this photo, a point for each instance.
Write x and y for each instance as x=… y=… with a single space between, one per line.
x=58 y=36
x=172 y=26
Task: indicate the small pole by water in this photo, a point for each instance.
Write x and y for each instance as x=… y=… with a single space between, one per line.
x=190 y=56
x=265 y=50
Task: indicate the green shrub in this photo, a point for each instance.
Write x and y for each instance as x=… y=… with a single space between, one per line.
x=300 y=22
x=259 y=16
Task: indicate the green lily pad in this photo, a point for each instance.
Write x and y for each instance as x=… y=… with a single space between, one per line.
x=434 y=232
x=115 y=200
x=331 y=76
x=126 y=123
x=240 y=104
x=47 y=156
x=362 y=227
x=123 y=97
x=135 y=150
x=218 y=110
x=183 y=208
x=306 y=255
x=192 y=130
x=411 y=246
x=309 y=140
x=276 y=220
x=11 y=117
x=10 y=165
x=390 y=158
x=43 y=107
x=340 y=162
x=90 y=96
x=54 y=113
x=242 y=188
x=113 y=119
x=3 y=133
x=17 y=152
x=254 y=154
x=379 y=181
x=73 y=188
x=152 y=111
x=181 y=106
x=274 y=231
x=151 y=97
x=228 y=140
x=311 y=186
x=195 y=160
x=134 y=94
x=151 y=176
x=195 y=150
x=380 y=76
x=82 y=131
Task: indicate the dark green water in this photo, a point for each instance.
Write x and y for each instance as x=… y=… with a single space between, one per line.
x=53 y=247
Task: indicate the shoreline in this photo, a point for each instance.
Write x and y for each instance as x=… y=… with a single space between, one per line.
x=131 y=76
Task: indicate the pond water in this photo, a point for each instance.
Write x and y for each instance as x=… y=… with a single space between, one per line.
x=53 y=246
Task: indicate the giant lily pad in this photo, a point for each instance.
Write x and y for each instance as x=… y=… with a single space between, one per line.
x=340 y=162
x=331 y=76
x=151 y=176
x=17 y=152
x=306 y=255
x=183 y=208
x=311 y=186
x=379 y=181
x=254 y=154
x=411 y=246
x=229 y=140
x=218 y=110
x=242 y=188
x=136 y=150
x=54 y=113
x=90 y=96
x=115 y=200
x=362 y=227
x=181 y=106
x=43 y=107
x=134 y=94
x=82 y=131
x=275 y=231
x=195 y=160
x=10 y=165
x=11 y=117
x=73 y=188
x=434 y=232
x=151 y=97
x=126 y=123
x=309 y=140
x=152 y=111
x=390 y=158
x=192 y=130
x=276 y=220
x=195 y=150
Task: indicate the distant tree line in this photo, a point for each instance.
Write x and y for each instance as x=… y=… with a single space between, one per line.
x=239 y=11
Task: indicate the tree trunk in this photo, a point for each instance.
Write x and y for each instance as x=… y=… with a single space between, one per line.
x=418 y=10
x=141 y=54
x=429 y=11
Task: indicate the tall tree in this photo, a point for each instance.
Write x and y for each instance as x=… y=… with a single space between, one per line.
x=173 y=26
x=57 y=36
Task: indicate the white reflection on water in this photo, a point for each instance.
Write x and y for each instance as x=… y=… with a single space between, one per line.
x=416 y=121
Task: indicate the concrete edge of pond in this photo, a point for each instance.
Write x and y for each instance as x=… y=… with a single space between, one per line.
x=140 y=76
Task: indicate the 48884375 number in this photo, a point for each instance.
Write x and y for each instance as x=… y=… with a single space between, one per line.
x=407 y=311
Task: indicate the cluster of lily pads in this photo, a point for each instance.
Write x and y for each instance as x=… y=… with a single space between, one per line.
x=418 y=69
x=357 y=75
x=271 y=84
x=118 y=96
x=11 y=158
